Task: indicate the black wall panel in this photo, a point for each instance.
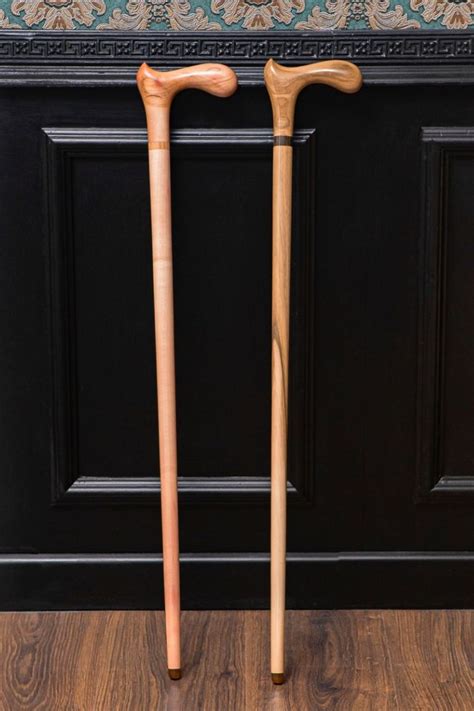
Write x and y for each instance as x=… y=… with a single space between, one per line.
x=447 y=319
x=382 y=376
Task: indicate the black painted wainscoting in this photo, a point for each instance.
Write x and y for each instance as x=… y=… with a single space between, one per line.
x=381 y=490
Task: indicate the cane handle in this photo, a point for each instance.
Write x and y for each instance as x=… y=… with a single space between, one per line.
x=161 y=87
x=285 y=83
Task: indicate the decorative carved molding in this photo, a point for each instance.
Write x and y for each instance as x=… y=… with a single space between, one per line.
x=236 y=47
x=69 y=486
x=98 y=58
x=439 y=145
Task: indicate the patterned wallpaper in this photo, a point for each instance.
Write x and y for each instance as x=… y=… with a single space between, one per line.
x=236 y=14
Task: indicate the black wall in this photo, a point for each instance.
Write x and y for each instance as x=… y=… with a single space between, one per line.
x=381 y=490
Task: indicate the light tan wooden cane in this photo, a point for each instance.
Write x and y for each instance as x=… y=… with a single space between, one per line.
x=283 y=85
x=157 y=90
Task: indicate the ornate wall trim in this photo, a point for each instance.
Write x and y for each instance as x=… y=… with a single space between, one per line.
x=92 y=58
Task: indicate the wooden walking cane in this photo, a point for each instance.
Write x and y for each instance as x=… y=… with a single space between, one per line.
x=157 y=90
x=283 y=85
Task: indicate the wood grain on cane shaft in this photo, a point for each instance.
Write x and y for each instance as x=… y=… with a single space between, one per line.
x=283 y=86
x=357 y=661
x=281 y=256
x=157 y=90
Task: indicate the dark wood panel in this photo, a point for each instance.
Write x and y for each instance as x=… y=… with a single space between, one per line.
x=367 y=660
x=357 y=535
x=105 y=446
x=446 y=357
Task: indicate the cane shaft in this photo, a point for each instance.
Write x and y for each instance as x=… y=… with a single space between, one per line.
x=284 y=85
x=159 y=162
x=157 y=90
x=281 y=259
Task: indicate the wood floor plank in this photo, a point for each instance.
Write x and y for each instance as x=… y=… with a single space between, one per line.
x=337 y=660
x=432 y=656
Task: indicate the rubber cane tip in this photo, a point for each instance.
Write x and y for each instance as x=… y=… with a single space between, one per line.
x=278 y=678
x=174 y=674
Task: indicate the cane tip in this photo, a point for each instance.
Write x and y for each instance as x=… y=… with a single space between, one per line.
x=278 y=678
x=174 y=674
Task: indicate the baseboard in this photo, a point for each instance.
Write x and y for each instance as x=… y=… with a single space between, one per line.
x=238 y=581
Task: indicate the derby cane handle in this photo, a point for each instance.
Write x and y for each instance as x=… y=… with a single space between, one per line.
x=157 y=90
x=284 y=85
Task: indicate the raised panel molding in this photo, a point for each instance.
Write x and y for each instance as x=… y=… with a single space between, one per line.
x=68 y=487
x=440 y=145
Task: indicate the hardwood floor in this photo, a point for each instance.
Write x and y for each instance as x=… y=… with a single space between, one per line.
x=349 y=660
